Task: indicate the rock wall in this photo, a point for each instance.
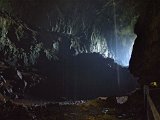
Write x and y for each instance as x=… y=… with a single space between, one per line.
x=91 y=23
x=21 y=45
x=145 y=60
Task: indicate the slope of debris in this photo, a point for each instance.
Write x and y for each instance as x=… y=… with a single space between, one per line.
x=14 y=82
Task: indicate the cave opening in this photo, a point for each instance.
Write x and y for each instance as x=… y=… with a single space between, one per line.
x=69 y=42
x=67 y=53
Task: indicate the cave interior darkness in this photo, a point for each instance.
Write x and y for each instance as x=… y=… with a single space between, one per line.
x=79 y=50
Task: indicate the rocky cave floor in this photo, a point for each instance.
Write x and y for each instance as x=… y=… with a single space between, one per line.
x=79 y=110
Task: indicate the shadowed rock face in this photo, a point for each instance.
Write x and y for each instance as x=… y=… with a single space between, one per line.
x=145 y=60
x=82 y=77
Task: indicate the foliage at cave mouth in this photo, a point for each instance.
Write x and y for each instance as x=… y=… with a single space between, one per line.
x=82 y=26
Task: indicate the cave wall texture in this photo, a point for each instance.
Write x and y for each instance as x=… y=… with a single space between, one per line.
x=46 y=34
x=145 y=60
x=44 y=24
x=88 y=24
x=19 y=44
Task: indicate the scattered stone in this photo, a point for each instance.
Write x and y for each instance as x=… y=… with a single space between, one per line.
x=122 y=100
x=105 y=110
